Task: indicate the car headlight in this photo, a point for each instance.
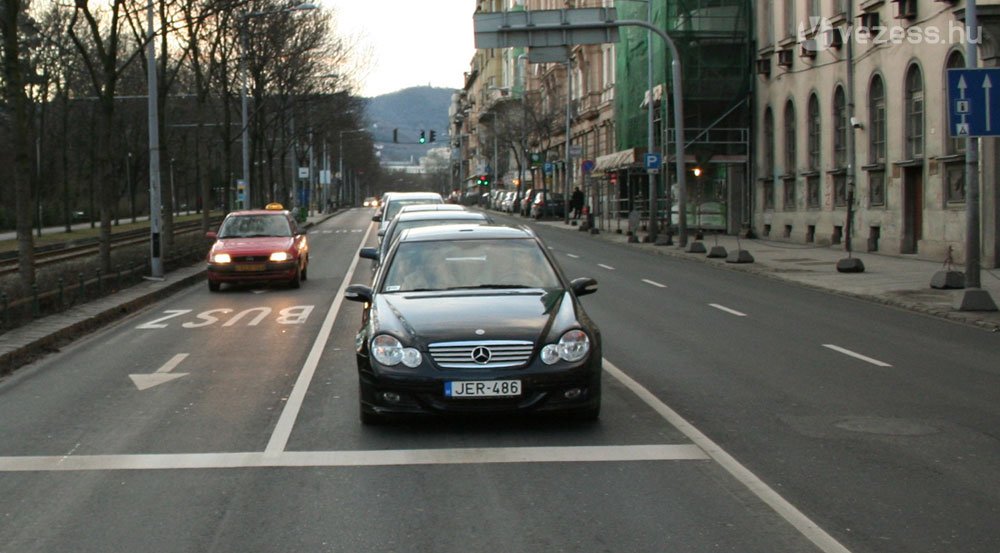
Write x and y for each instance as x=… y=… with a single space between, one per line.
x=221 y=258
x=280 y=256
x=573 y=346
x=389 y=352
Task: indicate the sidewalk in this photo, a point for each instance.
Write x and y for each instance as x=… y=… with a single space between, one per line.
x=893 y=280
x=23 y=344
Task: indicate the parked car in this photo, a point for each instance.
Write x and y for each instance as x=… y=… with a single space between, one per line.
x=475 y=319
x=524 y=208
x=261 y=245
x=551 y=204
x=507 y=203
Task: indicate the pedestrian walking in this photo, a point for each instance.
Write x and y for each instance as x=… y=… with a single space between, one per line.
x=576 y=203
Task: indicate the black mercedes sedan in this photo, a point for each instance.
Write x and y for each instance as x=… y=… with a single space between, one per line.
x=475 y=319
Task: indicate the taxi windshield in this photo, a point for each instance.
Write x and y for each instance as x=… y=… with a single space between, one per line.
x=250 y=226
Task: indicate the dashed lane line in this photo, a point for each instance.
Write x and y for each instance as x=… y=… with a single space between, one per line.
x=654 y=283
x=857 y=355
x=728 y=310
x=608 y=267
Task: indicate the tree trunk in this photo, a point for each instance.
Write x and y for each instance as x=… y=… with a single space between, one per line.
x=21 y=138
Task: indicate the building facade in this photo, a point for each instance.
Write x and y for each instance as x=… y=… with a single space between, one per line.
x=851 y=112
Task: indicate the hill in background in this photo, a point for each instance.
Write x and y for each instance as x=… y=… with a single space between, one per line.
x=409 y=110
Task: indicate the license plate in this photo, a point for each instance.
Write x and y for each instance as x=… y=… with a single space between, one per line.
x=482 y=388
x=257 y=267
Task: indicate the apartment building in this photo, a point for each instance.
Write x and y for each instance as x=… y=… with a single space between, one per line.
x=851 y=111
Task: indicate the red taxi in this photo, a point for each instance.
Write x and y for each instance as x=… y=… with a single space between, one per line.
x=260 y=245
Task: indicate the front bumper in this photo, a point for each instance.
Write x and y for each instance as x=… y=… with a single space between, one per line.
x=543 y=389
x=268 y=271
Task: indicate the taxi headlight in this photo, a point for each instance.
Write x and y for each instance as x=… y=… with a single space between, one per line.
x=221 y=258
x=572 y=347
x=389 y=352
x=280 y=256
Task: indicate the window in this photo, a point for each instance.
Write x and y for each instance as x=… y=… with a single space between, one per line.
x=877 y=124
x=768 y=161
x=790 y=139
x=790 y=30
x=876 y=188
x=767 y=175
x=812 y=191
x=956 y=60
x=788 y=182
x=839 y=128
x=814 y=129
x=914 y=113
x=840 y=190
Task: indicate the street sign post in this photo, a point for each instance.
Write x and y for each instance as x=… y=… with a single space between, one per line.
x=521 y=28
x=973 y=107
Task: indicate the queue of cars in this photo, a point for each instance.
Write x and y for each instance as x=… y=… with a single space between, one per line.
x=471 y=318
x=461 y=315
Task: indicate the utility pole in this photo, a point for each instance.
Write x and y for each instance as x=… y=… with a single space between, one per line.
x=156 y=262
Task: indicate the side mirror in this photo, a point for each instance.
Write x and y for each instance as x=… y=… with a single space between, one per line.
x=212 y=235
x=368 y=253
x=358 y=292
x=377 y=218
x=381 y=232
x=583 y=286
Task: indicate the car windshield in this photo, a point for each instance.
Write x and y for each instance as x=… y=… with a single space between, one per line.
x=395 y=205
x=469 y=264
x=249 y=226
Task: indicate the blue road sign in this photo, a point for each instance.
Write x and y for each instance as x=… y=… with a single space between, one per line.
x=973 y=107
x=548 y=167
x=652 y=161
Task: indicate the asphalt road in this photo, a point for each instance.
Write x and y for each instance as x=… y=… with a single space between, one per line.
x=741 y=414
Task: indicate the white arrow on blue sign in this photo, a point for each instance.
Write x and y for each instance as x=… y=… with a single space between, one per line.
x=973 y=108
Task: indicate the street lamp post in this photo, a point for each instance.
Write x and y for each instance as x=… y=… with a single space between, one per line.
x=244 y=108
x=340 y=163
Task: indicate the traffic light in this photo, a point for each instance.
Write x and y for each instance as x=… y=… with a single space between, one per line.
x=483 y=180
x=433 y=135
x=395 y=135
x=423 y=137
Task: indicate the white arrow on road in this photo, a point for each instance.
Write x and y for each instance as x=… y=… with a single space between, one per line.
x=163 y=374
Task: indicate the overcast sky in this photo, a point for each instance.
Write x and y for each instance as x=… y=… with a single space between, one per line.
x=413 y=43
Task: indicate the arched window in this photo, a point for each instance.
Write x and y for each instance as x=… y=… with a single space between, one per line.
x=956 y=60
x=790 y=140
x=876 y=121
x=839 y=147
x=914 y=110
x=789 y=179
x=876 y=142
x=767 y=169
x=839 y=128
x=814 y=129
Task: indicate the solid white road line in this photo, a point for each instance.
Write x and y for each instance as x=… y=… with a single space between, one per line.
x=608 y=267
x=856 y=355
x=283 y=430
x=657 y=284
x=370 y=458
x=728 y=310
x=825 y=542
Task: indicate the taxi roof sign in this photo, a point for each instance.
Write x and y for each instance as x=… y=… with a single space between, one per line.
x=274 y=206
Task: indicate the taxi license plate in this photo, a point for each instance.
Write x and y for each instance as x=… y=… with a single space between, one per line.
x=482 y=388
x=257 y=267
